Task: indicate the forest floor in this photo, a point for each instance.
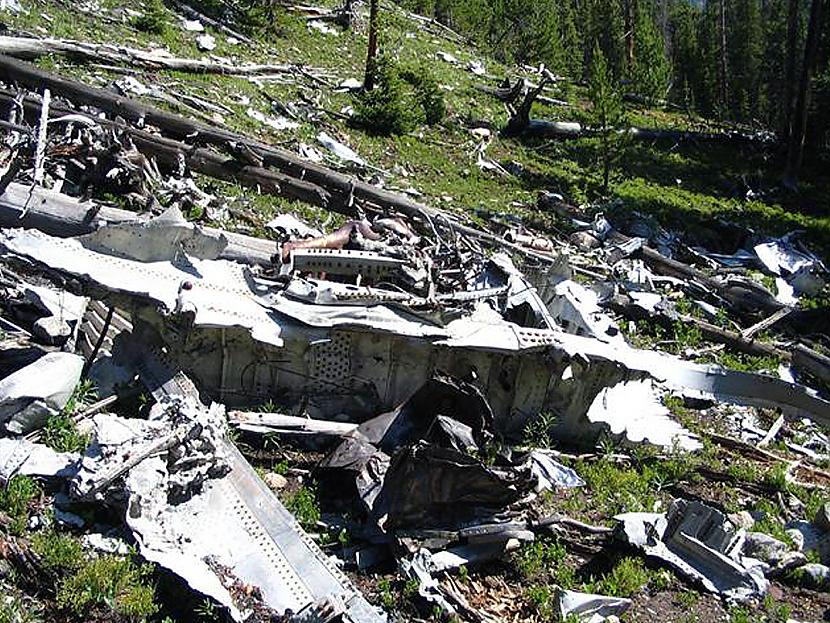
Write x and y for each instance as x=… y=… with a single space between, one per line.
x=690 y=189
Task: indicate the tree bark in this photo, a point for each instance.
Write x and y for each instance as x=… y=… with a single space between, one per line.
x=795 y=147
x=30 y=48
x=372 y=49
x=630 y=20
x=724 y=86
x=789 y=76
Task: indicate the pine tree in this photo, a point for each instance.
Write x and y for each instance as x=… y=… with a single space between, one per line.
x=745 y=55
x=606 y=111
x=686 y=53
x=651 y=72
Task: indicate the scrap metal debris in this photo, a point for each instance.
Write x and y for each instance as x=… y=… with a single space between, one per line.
x=414 y=353
x=700 y=543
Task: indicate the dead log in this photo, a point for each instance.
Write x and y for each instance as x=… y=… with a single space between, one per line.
x=538 y=128
x=192 y=13
x=59 y=215
x=741 y=297
x=520 y=120
x=203 y=160
x=735 y=340
x=520 y=123
x=341 y=187
x=30 y=48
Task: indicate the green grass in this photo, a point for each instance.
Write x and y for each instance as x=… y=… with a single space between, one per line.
x=13 y=609
x=59 y=552
x=626 y=578
x=61 y=432
x=303 y=504
x=109 y=585
x=15 y=499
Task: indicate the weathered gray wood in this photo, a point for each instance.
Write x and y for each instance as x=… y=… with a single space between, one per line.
x=31 y=48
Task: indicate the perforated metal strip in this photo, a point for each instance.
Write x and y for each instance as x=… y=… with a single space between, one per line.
x=295 y=564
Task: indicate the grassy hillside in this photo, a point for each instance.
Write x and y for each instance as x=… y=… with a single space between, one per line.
x=687 y=186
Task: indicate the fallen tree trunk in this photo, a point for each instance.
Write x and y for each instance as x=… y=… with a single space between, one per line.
x=343 y=189
x=201 y=160
x=60 y=215
x=538 y=128
x=520 y=123
x=30 y=48
x=192 y=13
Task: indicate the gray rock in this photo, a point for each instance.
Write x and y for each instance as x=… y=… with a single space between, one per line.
x=764 y=547
x=808 y=538
x=584 y=241
x=742 y=519
x=51 y=330
x=275 y=481
x=814 y=575
x=822 y=519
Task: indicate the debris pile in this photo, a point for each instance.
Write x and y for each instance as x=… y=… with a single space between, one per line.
x=413 y=350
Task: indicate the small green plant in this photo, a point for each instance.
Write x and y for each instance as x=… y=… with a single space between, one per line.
x=62 y=435
x=776 y=478
x=540 y=598
x=15 y=499
x=153 y=20
x=463 y=574
x=625 y=579
x=687 y=599
x=109 y=585
x=15 y=610
x=385 y=594
x=662 y=580
x=770 y=523
x=410 y=589
x=82 y=396
x=618 y=489
x=537 y=432
x=776 y=611
x=401 y=100
x=303 y=504
x=207 y=611
x=58 y=552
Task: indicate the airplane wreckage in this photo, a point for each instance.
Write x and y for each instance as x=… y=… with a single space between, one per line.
x=406 y=336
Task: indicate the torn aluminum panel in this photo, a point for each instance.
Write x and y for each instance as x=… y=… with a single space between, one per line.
x=166 y=237
x=185 y=433
x=520 y=293
x=550 y=473
x=802 y=270
x=216 y=293
x=29 y=396
x=19 y=456
x=236 y=522
x=700 y=543
x=588 y=608
x=633 y=410
x=417 y=569
x=577 y=310
x=340 y=150
x=364 y=360
x=59 y=303
x=430 y=487
x=472 y=554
